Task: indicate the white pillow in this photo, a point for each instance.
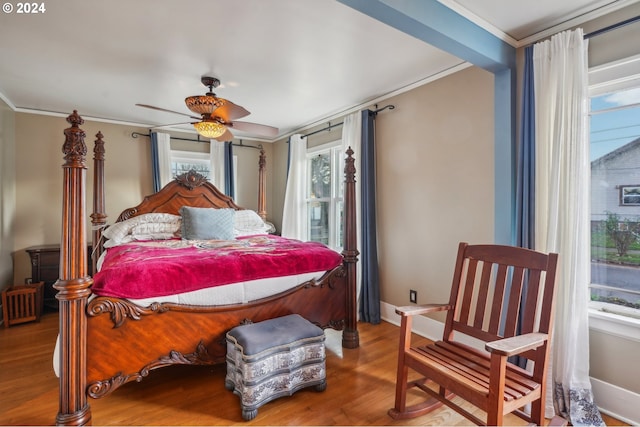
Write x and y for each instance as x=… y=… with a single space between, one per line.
x=156 y=228
x=153 y=236
x=248 y=222
x=120 y=230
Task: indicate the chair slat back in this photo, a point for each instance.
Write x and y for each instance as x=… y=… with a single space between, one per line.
x=501 y=291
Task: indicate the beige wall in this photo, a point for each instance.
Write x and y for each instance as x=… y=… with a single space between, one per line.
x=39 y=160
x=248 y=172
x=7 y=193
x=435 y=181
x=279 y=161
x=614 y=360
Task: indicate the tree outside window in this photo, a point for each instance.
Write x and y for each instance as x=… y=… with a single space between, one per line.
x=324 y=195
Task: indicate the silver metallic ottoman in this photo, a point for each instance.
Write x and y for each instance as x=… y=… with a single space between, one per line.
x=274 y=358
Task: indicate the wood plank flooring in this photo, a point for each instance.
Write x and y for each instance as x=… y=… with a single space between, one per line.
x=361 y=385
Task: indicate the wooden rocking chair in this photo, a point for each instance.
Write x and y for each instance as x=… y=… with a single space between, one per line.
x=501 y=297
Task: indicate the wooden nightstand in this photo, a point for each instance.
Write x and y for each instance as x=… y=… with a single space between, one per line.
x=45 y=267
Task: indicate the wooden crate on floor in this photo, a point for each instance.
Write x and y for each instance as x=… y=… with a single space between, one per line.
x=22 y=303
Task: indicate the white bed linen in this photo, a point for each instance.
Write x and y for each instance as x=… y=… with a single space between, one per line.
x=235 y=293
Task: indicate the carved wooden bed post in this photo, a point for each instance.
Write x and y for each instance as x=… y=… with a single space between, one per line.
x=98 y=217
x=350 y=337
x=262 y=186
x=73 y=285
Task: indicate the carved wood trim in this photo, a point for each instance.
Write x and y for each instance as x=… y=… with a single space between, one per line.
x=200 y=356
x=191 y=179
x=121 y=309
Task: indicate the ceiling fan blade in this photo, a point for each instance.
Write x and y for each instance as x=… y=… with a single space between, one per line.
x=254 y=128
x=167 y=111
x=226 y=136
x=229 y=111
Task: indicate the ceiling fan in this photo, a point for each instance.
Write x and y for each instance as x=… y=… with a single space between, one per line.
x=218 y=116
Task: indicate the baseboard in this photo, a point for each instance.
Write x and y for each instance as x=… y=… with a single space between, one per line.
x=612 y=400
x=617 y=402
x=422 y=326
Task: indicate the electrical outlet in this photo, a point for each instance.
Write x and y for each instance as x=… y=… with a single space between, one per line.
x=413 y=296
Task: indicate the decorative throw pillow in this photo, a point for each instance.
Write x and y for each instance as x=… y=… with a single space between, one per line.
x=247 y=222
x=120 y=231
x=207 y=223
x=157 y=228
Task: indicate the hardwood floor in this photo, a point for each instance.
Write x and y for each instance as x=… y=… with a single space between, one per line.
x=361 y=385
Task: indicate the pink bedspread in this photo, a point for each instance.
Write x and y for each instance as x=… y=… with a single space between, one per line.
x=159 y=268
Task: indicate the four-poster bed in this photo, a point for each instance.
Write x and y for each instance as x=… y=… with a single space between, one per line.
x=107 y=341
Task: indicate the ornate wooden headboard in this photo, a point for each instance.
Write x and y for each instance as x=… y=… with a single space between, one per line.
x=188 y=189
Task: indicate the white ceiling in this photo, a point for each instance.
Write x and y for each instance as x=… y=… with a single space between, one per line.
x=292 y=63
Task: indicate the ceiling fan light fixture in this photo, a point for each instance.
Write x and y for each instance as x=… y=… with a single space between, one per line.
x=205 y=104
x=209 y=129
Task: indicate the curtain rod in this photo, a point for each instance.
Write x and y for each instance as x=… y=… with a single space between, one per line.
x=330 y=126
x=612 y=27
x=259 y=147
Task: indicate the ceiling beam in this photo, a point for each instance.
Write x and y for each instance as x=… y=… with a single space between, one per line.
x=441 y=27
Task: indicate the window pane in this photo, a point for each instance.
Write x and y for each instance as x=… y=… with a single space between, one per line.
x=180 y=167
x=615 y=198
x=340 y=225
x=319 y=222
x=185 y=161
x=320 y=173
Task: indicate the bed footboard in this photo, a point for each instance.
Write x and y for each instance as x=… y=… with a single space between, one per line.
x=168 y=334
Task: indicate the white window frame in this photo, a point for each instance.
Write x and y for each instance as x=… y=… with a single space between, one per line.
x=608 y=318
x=334 y=148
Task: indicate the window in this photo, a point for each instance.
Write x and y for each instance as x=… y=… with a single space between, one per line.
x=324 y=194
x=615 y=197
x=184 y=161
x=630 y=195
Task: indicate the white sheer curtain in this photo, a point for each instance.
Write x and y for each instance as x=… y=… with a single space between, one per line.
x=216 y=158
x=352 y=137
x=164 y=158
x=294 y=215
x=562 y=213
